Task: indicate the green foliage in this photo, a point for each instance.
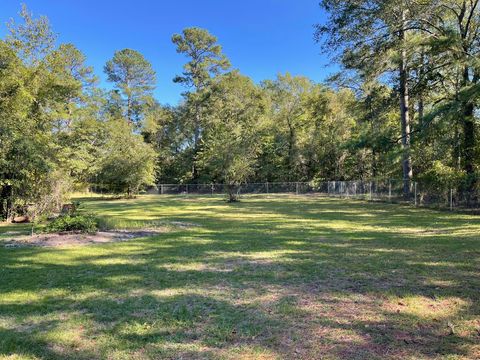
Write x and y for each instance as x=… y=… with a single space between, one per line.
x=33 y=39
x=82 y=148
x=127 y=163
x=168 y=129
x=232 y=135
x=206 y=61
x=83 y=223
x=134 y=78
x=28 y=86
x=205 y=54
x=441 y=177
x=130 y=72
x=59 y=131
x=308 y=128
x=426 y=54
x=53 y=132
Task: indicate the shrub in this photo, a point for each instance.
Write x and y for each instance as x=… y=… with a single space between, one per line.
x=79 y=223
x=440 y=177
x=127 y=164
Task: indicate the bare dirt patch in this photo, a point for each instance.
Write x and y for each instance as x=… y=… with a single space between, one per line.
x=66 y=239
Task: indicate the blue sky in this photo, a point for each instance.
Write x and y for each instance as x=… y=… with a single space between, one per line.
x=262 y=38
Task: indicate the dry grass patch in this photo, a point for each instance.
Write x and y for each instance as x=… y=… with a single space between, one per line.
x=68 y=239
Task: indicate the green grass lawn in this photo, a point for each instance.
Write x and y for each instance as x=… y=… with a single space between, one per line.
x=286 y=277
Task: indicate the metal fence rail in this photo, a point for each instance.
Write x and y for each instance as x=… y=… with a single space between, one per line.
x=419 y=194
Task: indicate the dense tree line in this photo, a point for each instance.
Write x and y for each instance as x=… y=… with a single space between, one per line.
x=426 y=54
x=403 y=106
x=58 y=130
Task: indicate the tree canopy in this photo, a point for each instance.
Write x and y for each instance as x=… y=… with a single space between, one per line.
x=404 y=105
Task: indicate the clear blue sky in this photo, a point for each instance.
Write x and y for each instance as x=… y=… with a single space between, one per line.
x=261 y=37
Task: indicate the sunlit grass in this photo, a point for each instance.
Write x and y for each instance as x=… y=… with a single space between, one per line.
x=267 y=278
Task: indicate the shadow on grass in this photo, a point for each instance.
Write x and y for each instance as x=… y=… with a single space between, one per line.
x=285 y=278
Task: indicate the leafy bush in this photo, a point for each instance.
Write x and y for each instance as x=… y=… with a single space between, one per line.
x=80 y=223
x=440 y=177
x=127 y=164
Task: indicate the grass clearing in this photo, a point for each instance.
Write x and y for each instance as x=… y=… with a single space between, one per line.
x=266 y=278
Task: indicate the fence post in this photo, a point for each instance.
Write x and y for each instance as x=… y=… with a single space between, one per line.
x=296 y=188
x=267 y=187
x=161 y=189
x=371 y=184
x=415 y=189
x=451 y=199
x=212 y=189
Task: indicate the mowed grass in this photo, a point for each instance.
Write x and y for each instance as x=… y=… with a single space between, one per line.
x=285 y=277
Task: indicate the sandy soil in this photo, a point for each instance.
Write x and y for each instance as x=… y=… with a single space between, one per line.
x=80 y=239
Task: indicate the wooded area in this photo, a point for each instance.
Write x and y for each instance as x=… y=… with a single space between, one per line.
x=404 y=106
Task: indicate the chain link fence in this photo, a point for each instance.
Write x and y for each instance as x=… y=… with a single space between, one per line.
x=399 y=191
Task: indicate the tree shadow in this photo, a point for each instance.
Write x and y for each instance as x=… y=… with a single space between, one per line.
x=290 y=282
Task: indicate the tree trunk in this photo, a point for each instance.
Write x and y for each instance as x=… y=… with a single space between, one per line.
x=196 y=141
x=291 y=149
x=405 y=116
x=468 y=132
x=6 y=203
x=129 y=110
x=421 y=111
x=196 y=131
x=232 y=195
x=469 y=139
x=421 y=106
x=469 y=149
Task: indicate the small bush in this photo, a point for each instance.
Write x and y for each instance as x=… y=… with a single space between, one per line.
x=79 y=223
